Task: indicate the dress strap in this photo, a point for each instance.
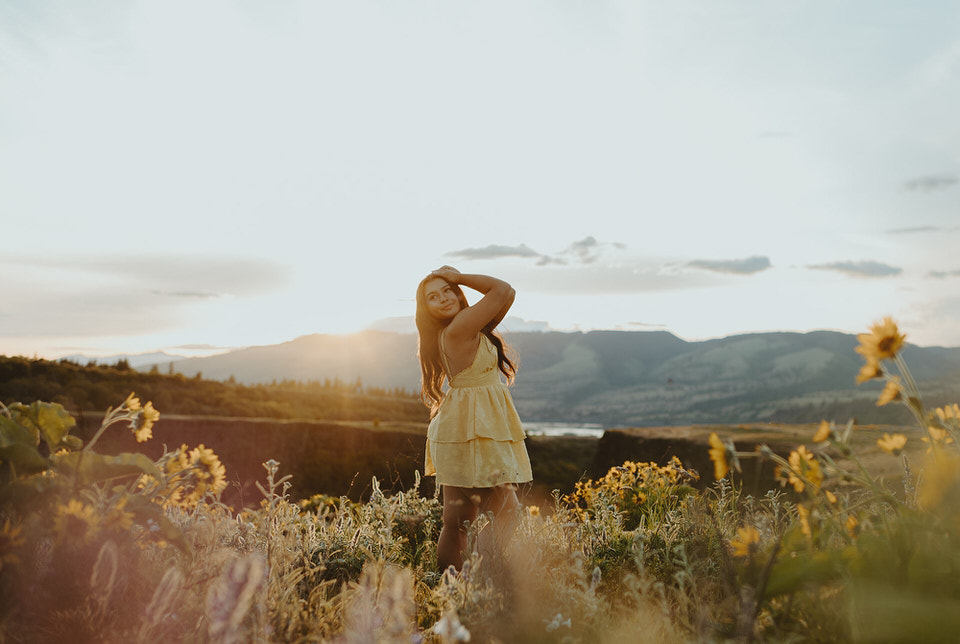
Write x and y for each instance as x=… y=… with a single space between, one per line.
x=443 y=355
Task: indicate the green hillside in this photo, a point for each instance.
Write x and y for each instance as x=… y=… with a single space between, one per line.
x=621 y=378
x=95 y=387
x=614 y=378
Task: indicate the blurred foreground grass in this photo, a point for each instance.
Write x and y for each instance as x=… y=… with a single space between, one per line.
x=861 y=544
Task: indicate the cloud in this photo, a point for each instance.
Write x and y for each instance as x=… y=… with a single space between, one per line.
x=744 y=266
x=199 y=295
x=943 y=274
x=495 y=251
x=931 y=182
x=174 y=275
x=585 y=251
x=547 y=260
x=121 y=296
x=202 y=347
x=859 y=269
x=915 y=229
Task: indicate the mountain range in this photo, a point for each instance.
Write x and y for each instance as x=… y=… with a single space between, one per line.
x=625 y=378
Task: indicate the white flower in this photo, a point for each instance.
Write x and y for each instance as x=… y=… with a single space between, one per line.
x=450 y=629
x=557 y=622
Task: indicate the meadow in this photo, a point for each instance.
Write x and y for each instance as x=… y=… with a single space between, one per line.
x=124 y=547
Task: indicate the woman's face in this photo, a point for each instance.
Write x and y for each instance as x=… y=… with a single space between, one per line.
x=441 y=299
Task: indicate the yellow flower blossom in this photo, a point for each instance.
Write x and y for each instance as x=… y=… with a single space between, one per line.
x=76 y=520
x=853 y=526
x=870 y=370
x=892 y=444
x=804 y=515
x=937 y=436
x=747 y=539
x=132 y=403
x=804 y=468
x=883 y=341
x=533 y=510
x=891 y=391
x=823 y=432
x=212 y=474
x=831 y=497
x=118 y=518
x=718 y=454
x=142 y=424
x=939 y=488
x=949 y=415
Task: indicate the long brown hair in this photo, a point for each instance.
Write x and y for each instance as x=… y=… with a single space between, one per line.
x=428 y=346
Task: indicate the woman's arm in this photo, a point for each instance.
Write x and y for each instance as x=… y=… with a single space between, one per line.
x=497 y=298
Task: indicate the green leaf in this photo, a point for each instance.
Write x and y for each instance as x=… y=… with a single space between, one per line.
x=51 y=420
x=91 y=467
x=793 y=573
x=12 y=432
x=24 y=459
x=28 y=495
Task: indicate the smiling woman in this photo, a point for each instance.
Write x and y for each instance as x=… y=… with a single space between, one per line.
x=475 y=439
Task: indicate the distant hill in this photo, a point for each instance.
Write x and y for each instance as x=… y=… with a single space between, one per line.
x=626 y=378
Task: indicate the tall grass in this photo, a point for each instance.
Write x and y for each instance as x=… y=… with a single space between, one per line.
x=120 y=548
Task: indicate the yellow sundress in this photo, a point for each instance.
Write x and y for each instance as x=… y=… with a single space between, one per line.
x=476 y=437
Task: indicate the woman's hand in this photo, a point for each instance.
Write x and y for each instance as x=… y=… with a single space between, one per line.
x=448 y=273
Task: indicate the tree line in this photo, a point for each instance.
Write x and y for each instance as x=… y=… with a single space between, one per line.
x=95 y=387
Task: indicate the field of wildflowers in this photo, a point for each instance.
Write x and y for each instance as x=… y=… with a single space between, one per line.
x=118 y=548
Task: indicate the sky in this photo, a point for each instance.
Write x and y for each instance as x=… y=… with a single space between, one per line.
x=195 y=176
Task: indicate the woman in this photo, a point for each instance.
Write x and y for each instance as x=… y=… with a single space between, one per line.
x=475 y=439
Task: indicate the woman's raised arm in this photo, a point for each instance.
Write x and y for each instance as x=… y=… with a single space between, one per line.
x=497 y=298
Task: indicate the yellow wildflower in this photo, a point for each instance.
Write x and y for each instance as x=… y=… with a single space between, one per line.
x=212 y=475
x=747 y=539
x=883 y=341
x=132 y=403
x=76 y=520
x=939 y=488
x=718 y=454
x=892 y=444
x=891 y=391
x=11 y=537
x=533 y=510
x=823 y=432
x=853 y=526
x=831 y=497
x=804 y=515
x=804 y=468
x=142 y=424
x=118 y=518
x=870 y=370
x=179 y=461
x=949 y=415
x=937 y=436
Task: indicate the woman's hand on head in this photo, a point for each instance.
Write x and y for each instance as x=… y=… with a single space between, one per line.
x=448 y=273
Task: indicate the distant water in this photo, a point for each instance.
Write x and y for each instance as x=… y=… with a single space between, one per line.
x=563 y=429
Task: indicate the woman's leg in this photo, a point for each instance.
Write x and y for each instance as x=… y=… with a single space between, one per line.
x=460 y=507
x=502 y=503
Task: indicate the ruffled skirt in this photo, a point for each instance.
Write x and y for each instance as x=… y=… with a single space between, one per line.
x=477 y=440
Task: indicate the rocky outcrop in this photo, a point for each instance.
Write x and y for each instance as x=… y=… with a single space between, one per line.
x=323 y=457
x=327 y=457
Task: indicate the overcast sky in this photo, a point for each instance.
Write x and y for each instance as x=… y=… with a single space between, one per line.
x=197 y=175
